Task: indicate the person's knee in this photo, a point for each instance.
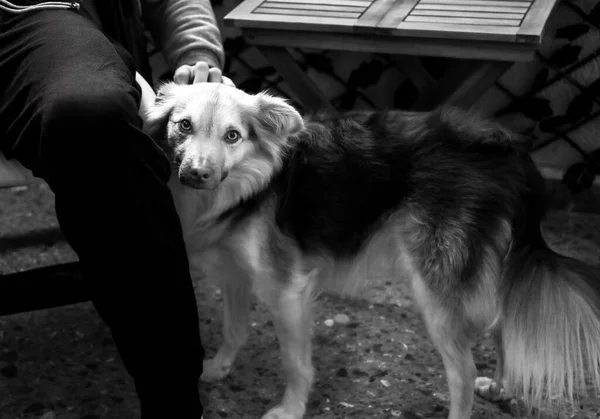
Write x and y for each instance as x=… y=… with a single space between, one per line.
x=92 y=108
x=97 y=128
x=86 y=121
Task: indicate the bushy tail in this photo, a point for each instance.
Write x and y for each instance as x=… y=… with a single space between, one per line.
x=550 y=328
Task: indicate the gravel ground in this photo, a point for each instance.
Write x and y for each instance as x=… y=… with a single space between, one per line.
x=375 y=361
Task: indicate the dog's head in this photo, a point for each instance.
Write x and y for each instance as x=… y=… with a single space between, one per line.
x=212 y=132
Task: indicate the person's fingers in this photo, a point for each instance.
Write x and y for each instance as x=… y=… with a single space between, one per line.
x=200 y=72
x=227 y=81
x=214 y=75
x=183 y=75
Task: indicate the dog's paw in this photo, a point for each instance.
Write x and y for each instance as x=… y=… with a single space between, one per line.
x=285 y=412
x=214 y=370
x=488 y=389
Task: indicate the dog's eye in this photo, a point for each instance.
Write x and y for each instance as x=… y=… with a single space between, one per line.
x=185 y=125
x=232 y=136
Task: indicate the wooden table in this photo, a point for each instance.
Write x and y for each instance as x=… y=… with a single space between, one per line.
x=485 y=36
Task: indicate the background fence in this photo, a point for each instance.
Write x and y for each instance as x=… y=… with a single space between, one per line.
x=555 y=99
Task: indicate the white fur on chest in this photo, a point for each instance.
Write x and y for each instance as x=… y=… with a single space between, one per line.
x=201 y=232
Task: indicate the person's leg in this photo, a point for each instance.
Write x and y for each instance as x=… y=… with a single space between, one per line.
x=68 y=112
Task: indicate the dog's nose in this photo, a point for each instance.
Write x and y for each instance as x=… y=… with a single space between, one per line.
x=200 y=177
x=202 y=174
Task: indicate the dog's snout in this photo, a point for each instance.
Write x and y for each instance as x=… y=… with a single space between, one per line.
x=202 y=174
x=200 y=177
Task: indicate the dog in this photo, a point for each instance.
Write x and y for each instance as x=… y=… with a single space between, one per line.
x=285 y=207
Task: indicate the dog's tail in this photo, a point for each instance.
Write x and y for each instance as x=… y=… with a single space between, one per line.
x=550 y=327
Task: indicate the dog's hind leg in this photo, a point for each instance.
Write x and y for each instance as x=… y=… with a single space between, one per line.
x=290 y=307
x=237 y=299
x=450 y=334
x=489 y=389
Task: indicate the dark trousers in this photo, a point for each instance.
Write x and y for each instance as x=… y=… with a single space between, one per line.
x=68 y=112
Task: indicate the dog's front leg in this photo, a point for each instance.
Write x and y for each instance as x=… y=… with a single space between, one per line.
x=237 y=299
x=292 y=315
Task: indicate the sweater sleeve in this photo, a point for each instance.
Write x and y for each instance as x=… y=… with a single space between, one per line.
x=185 y=31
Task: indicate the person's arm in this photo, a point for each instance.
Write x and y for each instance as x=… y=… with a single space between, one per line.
x=186 y=32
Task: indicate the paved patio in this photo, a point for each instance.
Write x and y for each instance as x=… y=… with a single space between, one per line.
x=376 y=363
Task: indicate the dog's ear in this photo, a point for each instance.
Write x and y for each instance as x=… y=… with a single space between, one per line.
x=157 y=114
x=275 y=116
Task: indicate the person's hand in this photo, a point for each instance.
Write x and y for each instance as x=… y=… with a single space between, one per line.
x=200 y=73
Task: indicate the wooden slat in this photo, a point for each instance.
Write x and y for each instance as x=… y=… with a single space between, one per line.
x=533 y=25
x=450 y=31
x=311 y=13
x=309 y=24
x=405 y=42
x=241 y=15
x=42 y=288
x=396 y=15
x=484 y=15
x=477 y=8
x=463 y=21
x=373 y=15
x=323 y=7
x=358 y=3
x=509 y=3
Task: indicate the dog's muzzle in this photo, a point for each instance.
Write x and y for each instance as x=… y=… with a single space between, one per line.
x=204 y=177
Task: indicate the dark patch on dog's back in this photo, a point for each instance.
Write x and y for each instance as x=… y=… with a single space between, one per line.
x=349 y=172
x=337 y=184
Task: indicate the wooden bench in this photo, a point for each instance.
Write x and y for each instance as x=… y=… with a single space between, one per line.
x=12 y=173
x=485 y=36
x=39 y=288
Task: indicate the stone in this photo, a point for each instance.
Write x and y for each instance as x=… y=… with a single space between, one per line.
x=341 y=318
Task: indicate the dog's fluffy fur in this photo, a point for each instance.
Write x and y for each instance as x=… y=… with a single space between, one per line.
x=450 y=202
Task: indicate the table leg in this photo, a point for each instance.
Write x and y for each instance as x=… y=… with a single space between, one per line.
x=299 y=82
x=463 y=84
x=412 y=67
